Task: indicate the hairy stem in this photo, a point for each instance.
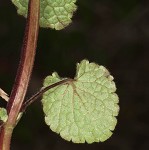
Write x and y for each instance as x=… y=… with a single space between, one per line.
x=23 y=74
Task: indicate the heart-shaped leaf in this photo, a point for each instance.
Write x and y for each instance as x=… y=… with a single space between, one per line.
x=83 y=109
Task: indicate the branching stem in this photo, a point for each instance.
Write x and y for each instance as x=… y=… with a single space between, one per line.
x=23 y=74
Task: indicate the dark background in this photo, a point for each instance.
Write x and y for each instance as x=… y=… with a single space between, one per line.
x=113 y=33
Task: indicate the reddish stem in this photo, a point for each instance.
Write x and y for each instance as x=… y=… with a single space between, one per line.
x=42 y=91
x=23 y=74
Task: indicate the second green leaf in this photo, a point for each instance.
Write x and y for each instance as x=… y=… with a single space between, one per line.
x=83 y=109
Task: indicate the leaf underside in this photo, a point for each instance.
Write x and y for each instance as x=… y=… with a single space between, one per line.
x=83 y=109
x=54 y=14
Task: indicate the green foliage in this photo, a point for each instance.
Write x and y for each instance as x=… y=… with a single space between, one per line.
x=83 y=109
x=53 y=13
x=3 y=114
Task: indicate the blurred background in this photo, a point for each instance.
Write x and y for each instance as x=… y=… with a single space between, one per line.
x=113 y=33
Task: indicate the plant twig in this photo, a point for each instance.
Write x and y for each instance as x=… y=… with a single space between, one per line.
x=23 y=74
x=40 y=93
x=4 y=95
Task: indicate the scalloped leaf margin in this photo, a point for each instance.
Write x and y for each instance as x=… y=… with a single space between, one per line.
x=55 y=14
x=84 y=109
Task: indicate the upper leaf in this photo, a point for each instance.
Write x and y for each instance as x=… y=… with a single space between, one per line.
x=53 y=13
x=83 y=109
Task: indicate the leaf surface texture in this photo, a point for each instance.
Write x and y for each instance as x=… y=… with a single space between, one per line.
x=83 y=109
x=54 y=14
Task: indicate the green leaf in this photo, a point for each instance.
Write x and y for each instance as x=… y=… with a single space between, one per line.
x=3 y=114
x=83 y=109
x=53 y=13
